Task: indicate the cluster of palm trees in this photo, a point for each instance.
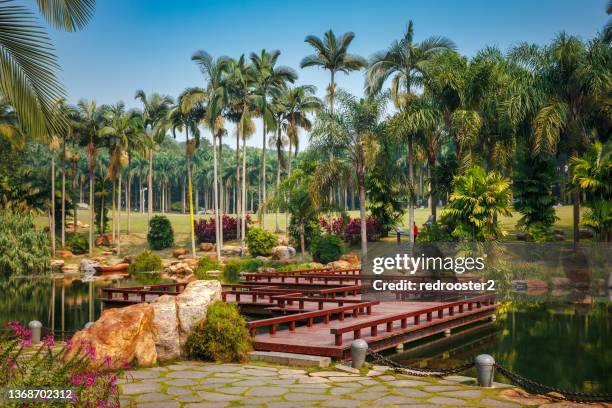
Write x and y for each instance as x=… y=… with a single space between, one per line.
x=428 y=101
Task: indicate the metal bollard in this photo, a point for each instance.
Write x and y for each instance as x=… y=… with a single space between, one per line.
x=485 y=368
x=36 y=329
x=88 y=325
x=359 y=349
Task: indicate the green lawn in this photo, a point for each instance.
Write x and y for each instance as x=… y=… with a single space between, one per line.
x=136 y=241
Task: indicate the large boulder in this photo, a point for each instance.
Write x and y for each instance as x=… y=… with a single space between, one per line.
x=207 y=246
x=88 y=266
x=64 y=254
x=178 y=252
x=352 y=259
x=283 y=252
x=193 y=303
x=119 y=336
x=230 y=250
x=339 y=265
x=166 y=326
x=104 y=240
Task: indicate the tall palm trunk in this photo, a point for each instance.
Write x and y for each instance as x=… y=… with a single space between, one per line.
x=191 y=220
x=278 y=174
x=63 y=215
x=237 y=186
x=216 y=198
x=92 y=177
x=243 y=198
x=362 y=214
x=128 y=193
x=119 y=215
x=263 y=172
x=150 y=190
x=576 y=207
x=221 y=191
x=411 y=189
x=52 y=221
x=114 y=207
x=432 y=200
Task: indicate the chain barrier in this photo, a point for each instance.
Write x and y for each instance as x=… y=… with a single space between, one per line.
x=515 y=379
x=418 y=371
x=537 y=388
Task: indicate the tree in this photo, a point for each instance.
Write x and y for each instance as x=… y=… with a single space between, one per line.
x=268 y=79
x=591 y=174
x=576 y=82
x=216 y=99
x=28 y=63
x=331 y=53
x=89 y=125
x=406 y=62
x=353 y=129
x=155 y=111
x=478 y=198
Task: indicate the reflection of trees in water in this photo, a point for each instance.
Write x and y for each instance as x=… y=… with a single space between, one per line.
x=24 y=299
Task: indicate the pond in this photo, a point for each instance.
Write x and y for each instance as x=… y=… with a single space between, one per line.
x=554 y=340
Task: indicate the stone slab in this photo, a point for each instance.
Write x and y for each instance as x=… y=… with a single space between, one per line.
x=290 y=359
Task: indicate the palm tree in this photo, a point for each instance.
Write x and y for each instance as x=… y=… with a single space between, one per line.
x=576 y=82
x=89 y=126
x=28 y=63
x=156 y=108
x=331 y=53
x=353 y=129
x=406 y=62
x=268 y=77
x=216 y=99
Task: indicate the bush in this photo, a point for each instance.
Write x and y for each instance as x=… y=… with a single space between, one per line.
x=205 y=229
x=327 y=248
x=233 y=267
x=205 y=264
x=146 y=261
x=73 y=366
x=78 y=244
x=312 y=229
x=435 y=232
x=23 y=248
x=160 y=234
x=373 y=230
x=223 y=336
x=260 y=242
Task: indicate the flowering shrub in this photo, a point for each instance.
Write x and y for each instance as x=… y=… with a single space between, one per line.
x=205 y=229
x=353 y=229
x=336 y=227
x=44 y=367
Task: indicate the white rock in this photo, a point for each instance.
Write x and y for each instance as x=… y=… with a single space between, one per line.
x=283 y=252
x=193 y=304
x=166 y=326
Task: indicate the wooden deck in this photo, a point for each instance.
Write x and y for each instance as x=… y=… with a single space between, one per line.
x=320 y=312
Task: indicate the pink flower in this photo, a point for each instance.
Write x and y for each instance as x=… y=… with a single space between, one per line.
x=49 y=341
x=76 y=379
x=25 y=343
x=112 y=378
x=19 y=330
x=90 y=380
x=108 y=362
x=127 y=365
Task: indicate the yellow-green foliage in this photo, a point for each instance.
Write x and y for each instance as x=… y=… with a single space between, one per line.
x=147 y=261
x=205 y=264
x=260 y=242
x=223 y=336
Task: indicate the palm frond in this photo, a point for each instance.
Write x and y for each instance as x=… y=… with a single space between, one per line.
x=68 y=15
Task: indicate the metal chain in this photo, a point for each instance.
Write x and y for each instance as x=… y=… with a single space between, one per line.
x=538 y=388
x=418 y=371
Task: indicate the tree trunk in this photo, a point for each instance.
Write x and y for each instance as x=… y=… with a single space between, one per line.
x=52 y=221
x=128 y=193
x=362 y=214
x=302 y=241
x=432 y=200
x=263 y=174
x=237 y=187
x=92 y=177
x=221 y=191
x=119 y=216
x=191 y=220
x=243 y=197
x=278 y=174
x=150 y=191
x=411 y=189
x=113 y=201
x=216 y=198
x=63 y=199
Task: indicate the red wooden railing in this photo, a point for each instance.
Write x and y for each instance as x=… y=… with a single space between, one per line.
x=270 y=275
x=309 y=317
x=162 y=289
x=356 y=328
x=289 y=300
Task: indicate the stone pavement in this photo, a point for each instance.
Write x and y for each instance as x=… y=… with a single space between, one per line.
x=195 y=384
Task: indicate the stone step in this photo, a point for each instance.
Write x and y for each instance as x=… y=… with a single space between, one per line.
x=290 y=359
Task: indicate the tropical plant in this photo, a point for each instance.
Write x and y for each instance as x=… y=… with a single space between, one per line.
x=478 y=198
x=260 y=242
x=160 y=235
x=78 y=244
x=591 y=174
x=407 y=62
x=206 y=264
x=221 y=337
x=327 y=248
x=24 y=249
x=146 y=261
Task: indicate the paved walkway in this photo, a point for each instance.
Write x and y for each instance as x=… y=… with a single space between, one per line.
x=195 y=384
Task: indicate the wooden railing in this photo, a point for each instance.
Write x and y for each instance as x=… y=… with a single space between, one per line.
x=271 y=275
x=403 y=317
x=254 y=295
x=327 y=314
x=162 y=289
x=289 y=300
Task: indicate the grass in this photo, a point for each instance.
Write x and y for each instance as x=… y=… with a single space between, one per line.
x=136 y=242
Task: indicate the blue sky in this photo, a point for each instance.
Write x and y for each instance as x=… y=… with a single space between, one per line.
x=148 y=44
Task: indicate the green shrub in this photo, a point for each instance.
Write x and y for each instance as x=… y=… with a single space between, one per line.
x=160 y=234
x=435 y=232
x=78 y=244
x=146 y=261
x=205 y=264
x=260 y=242
x=23 y=248
x=233 y=267
x=327 y=248
x=223 y=336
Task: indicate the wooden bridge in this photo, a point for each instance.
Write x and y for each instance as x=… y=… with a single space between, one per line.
x=319 y=312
